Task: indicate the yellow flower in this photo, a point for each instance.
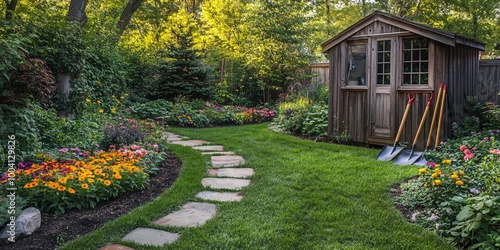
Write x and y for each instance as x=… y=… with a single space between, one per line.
x=101 y=110
x=459 y=183
x=85 y=185
x=98 y=102
x=422 y=171
x=27 y=185
x=71 y=191
x=113 y=110
x=33 y=184
x=434 y=175
x=447 y=161
x=125 y=95
x=454 y=176
x=437 y=183
x=88 y=100
x=107 y=182
x=97 y=172
x=63 y=180
x=426 y=184
x=462 y=173
x=117 y=176
x=61 y=188
x=90 y=180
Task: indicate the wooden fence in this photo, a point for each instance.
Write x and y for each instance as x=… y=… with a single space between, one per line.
x=488 y=85
x=486 y=89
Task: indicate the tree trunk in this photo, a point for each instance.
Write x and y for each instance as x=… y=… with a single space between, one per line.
x=11 y=7
x=127 y=13
x=76 y=11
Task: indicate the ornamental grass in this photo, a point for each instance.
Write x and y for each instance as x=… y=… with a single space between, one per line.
x=81 y=180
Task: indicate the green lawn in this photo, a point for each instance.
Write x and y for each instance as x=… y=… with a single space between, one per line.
x=304 y=195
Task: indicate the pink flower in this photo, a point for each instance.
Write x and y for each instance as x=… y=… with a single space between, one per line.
x=63 y=150
x=474 y=148
x=134 y=147
x=111 y=147
x=467 y=152
x=463 y=147
x=468 y=156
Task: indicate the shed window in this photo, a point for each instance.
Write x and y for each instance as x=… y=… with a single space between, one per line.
x=384 y=62
x=357 y=64
x=415 y=61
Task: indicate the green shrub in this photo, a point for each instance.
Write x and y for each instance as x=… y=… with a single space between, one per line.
x=152 y=109
x=316 y=122
x=122 y=131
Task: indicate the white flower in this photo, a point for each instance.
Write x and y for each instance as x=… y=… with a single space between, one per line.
x=433 y=217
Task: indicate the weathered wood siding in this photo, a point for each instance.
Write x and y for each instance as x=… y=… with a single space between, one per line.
x=378 y=27
x=320 y=73
x=488 y=84
x=353 y=116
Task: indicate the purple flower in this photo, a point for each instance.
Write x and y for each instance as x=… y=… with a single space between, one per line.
x=63 y=150
x=75 y=150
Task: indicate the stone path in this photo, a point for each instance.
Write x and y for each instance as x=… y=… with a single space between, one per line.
x=224 y=182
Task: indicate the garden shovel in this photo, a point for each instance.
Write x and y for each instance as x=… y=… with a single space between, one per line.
x=410 y=156
x=422 y=161
x=388 y=153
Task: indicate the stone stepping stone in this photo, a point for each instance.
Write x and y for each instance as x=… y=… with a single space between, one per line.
x=218 y=153
x=225 y=183
x=115 y=247
x=226 y=160
x=209 y=148
x=231 y=172
x=149 y=236
x=171 y=139
x=219 y=196
x=192 y=214
x=190 y=143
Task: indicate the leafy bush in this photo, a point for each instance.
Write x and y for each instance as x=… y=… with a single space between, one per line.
x=122 y=131
x=292 y=115
x=460 y=190
x=152 y=109
x=32 y=81
x=316 y=122
x=11 y=54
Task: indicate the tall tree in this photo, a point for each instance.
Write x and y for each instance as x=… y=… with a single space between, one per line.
x=10 y=8
x=76 y=11
x=127 y=13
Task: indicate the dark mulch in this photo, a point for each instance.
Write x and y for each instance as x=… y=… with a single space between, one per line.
x=75 y=223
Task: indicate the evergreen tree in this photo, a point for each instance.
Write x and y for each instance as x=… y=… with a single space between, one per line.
x=183 y=72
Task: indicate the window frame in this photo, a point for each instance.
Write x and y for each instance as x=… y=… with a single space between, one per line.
x=430 y=66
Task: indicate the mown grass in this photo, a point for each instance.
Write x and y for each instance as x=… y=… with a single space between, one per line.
x=304 y=195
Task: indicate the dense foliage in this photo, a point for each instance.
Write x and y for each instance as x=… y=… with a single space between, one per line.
x=457 y=194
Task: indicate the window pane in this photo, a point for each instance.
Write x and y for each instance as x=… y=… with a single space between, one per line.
x=387 y=68
x=416 y=55
x=380 y=79
x=380 y=57
x=424 y=54
x=387 y=57
x=414 y=79
x=407 y=67
x=406 y=79
x=406 y=44
x=380 y=68
x=387 y=45
x=407 y=56
x=424 y=67
x=387 y=79
x=380 y=45
x=424 y=79
x=415 y=67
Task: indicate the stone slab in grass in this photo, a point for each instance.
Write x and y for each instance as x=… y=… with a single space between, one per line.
x=209 y=148
x=218 y=153
x=231 y=172
x=225 y=183
x=190 y=143
x=149 y=236
x=171 y=139
x=115 y=247
x=192 y=214
x=219 y=196
x=226 y=160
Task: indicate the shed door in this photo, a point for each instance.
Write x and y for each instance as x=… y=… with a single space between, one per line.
x=382 y=86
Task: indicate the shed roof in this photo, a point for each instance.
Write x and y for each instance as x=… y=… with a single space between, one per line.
x=442 y=36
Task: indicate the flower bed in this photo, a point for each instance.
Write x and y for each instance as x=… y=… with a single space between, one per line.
x=79 y=179
x=458 y=193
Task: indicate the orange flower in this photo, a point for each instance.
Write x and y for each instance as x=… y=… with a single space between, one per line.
x=63 y=180
x=107 y=182
x=61 y=188
x=85 y=185
x=117 y=176
x=71 y=191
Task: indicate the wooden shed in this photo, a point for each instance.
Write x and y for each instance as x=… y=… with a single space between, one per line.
x=377 y=61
